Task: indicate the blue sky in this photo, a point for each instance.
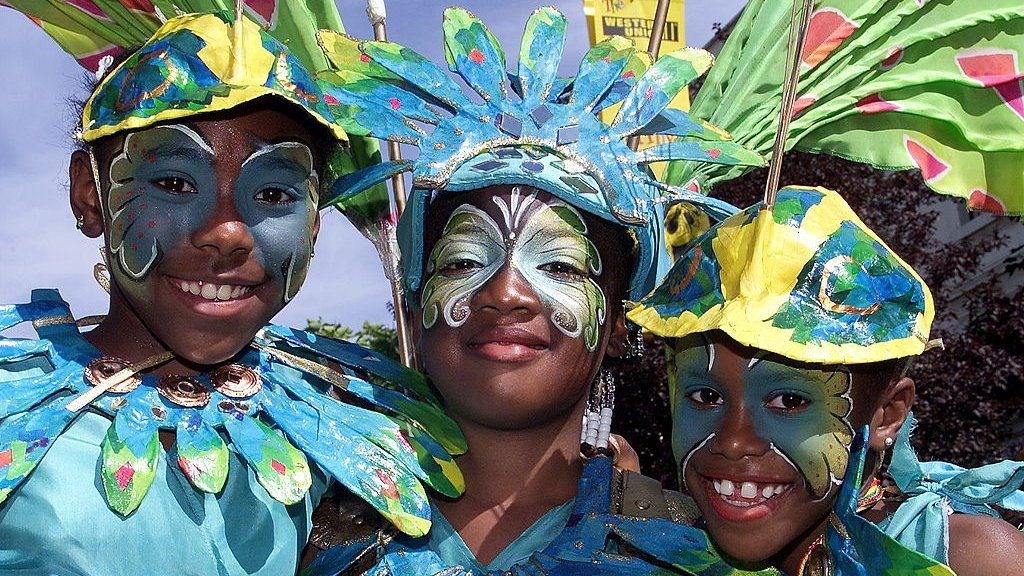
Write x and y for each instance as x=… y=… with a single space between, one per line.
x=41 y=247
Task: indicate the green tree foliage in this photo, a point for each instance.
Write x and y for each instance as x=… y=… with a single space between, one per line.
x=372 y=335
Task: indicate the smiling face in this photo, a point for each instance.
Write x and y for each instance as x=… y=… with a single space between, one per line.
x=762 y=442
x=209 y=226
x=514 y=309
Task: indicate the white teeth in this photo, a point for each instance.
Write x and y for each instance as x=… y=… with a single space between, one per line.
x=224 y=292
x=748 y=490
x=727 y=488
x=213 y=291
x=745 y=494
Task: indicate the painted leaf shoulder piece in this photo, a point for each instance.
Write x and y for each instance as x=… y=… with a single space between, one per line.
x=270 y=408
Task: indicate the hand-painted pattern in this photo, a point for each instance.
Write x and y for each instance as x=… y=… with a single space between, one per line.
x=815 y=439
x=859 y=285
x=806 y=280
x=546 y=243
x=149 y=216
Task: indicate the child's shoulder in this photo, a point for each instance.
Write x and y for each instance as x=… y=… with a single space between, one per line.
x=984 y=546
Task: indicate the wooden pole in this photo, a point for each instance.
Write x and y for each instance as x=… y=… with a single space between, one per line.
x=377 y=15
x=798 y=23
x=654 y=46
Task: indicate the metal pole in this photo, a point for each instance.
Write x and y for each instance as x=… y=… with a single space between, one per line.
x=375 y=11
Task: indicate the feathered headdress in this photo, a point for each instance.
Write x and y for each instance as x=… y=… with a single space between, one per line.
x=530 y=128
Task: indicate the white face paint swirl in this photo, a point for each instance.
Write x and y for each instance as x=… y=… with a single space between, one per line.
x=546 y=243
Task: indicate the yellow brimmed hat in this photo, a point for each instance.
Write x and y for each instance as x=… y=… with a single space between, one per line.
x=806 y=280
x=201 y=63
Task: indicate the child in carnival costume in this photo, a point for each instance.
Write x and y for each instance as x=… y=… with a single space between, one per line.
x=185 y=434
x=792 y=327
x=793 y=324
x=529 y=221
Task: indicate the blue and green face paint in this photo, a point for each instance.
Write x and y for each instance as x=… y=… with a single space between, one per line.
x=164 y=187
x=546 y=242
x=801 y=413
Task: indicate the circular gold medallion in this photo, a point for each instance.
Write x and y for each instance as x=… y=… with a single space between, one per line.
x=101 y=369
x=236 y=381
x=184 y=391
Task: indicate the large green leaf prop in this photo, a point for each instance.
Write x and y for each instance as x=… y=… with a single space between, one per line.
x=934 y=85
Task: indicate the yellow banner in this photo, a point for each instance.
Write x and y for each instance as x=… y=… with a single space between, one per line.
x=634 y=19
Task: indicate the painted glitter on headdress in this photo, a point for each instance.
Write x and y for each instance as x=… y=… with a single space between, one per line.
x=531 y=128
x=806 y=280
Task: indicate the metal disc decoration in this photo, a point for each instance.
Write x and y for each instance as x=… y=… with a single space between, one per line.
x=236 y=381
x=104 y=368
x=184 y=391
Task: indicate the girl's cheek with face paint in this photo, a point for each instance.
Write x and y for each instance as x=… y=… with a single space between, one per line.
x=805 y=414
x=164 y=189
x=277 y=193
x=161 y=191
x=470 y=252
x=560 y=262
x=693 y=426
x=802 y=414
x=546 y=243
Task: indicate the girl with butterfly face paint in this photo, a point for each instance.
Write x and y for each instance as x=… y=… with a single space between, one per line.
x=790 y=332
x=529 y=222
x=184 y=409
x=513 y=323
x=514 y=313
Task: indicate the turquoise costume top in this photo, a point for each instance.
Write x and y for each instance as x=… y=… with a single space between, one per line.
x=936 y=490
x=252 y=455
x=56 y=522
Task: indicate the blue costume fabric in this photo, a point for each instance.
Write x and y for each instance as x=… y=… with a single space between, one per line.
x=446 y=541
x=936 y=490
x=246 y=469
x=586 y=543
x=532 y=128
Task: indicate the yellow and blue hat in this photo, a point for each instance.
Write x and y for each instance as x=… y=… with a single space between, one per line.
x=200 y=63
x=806 y=280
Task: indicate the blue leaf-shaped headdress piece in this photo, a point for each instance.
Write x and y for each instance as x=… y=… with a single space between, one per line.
x=532 y=128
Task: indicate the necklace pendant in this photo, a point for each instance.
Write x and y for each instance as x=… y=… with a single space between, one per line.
x=817 y=561
x=101 y=369
x=236 y=381
x=184 y=391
